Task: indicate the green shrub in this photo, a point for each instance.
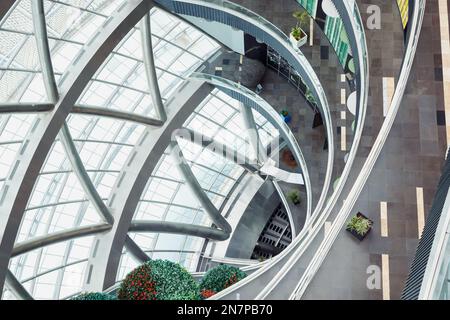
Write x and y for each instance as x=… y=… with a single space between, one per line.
x=359 y=224
x=159 y=280
x=294 y=196
x=94 y=296
x=219 y=278
x=297 y=33
x=302 y=17
x=310 y=97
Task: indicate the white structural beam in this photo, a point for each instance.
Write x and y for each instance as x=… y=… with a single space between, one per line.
x=116 y=114
x=5 y=6
x=52 y=92
x=135 y=250
x=25 y=107
x=49 y=239
x=150 y=70
x=197 y=190
x=104 y=262
x=16 y=287
x=83 y=177
x=43 y=49
x=178 y=228
x=252 y=130
x=217 y=148
x=17 y=189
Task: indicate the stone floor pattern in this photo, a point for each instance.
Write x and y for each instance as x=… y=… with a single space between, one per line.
x=408 y=167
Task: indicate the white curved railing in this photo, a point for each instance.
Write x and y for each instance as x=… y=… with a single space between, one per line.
x=267 y=32
x=271 y=115
x=416 y=24
x=301 y=242
x=437 y=268
x=352 y=15
x=312 y=227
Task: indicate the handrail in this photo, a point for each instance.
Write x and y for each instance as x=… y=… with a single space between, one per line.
x=311 y=229
x=429 y=269
x=439 y=257
x=356 y=189
x=243 y=18
x=271 y=115
x=349 y=15
x=286 y=205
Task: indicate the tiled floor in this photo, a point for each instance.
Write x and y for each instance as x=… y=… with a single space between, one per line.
x=410 y=160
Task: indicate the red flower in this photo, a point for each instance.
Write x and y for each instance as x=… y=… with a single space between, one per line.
x=233 y=279
x=206 y=293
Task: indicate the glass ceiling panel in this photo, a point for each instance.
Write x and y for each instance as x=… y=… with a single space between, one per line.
x=19 y=64
x=127 y=263
x=218 y=117
x=70 y=24
x=13 y=129
x=178 y=248
x=58 y=201
x=53 y=272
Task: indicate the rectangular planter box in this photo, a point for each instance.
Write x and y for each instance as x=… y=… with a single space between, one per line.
x=298 y=43
x=357 y=235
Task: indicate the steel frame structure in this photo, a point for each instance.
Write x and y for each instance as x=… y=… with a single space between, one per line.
x=50 y=126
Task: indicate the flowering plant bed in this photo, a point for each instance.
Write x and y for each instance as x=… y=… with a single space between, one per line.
x=159 y=280
x=219 y=278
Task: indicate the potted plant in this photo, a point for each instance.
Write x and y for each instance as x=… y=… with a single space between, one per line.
x=298 y=36
x=294 y=196
x=359 y=226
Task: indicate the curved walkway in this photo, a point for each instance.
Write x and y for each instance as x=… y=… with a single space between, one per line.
x=404 y=177
x=281 y=95
x=324 y=61
x=239 y=17
x=286 y=266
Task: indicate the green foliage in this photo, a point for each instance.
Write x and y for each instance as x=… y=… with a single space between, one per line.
x=359 y=224
x=302 y=17
x=294 y=196
x=219 y=278
x=94 y=296
x=159 y=280
x=297 y=33
x=310 y=97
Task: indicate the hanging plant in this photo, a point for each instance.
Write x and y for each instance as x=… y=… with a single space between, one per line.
x=159 y=280
x=219 y=278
